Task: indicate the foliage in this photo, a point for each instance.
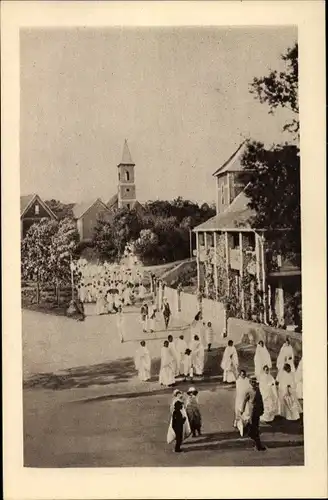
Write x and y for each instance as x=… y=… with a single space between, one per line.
x=280 y=89
x=62 y=210
x=63 y=247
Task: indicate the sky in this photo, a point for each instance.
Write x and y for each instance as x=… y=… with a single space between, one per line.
x=180 y=96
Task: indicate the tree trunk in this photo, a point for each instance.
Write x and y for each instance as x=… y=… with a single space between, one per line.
x=38 y=292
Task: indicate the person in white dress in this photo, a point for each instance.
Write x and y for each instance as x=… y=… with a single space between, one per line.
x=299 y=379
x=229 y=363
x=289 y=406
x=166 y=373
x=188 y=370
x=242 y=386
x=180 y=347
x=262 y=358
x=174 y=354
x=120 y=323
x=196 y=326
x=127 y=296
x=152 y=316
x=286 y=355
x=209 y=335
x=143 y=362
x=141 y=291
x=197 y=356
x=268 y=389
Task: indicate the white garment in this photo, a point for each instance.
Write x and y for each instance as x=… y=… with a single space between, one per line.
x=242 y=386
x=262 y=358
x=197 y=356
x=229 y=364
x=142 y=291
x=195 y=329
x=299 y=380
x=166 y=373
x=286 y=355
x=174 y=355
x=152 y=317
x=269 y=394
x=289 y=406
x=209 y=335
x=180 y=347
x=143 y=363
x=188 y=370
x=120 y=325
x=126 y=296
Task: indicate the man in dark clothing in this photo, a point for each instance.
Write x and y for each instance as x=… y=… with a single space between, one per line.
x=256 y=403
x=177 y=424
x=166 y=313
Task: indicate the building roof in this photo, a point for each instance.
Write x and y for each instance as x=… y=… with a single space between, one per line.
x=233 y=164
x=27 y=200
x=79 y=209
x=234 y=218
x=126 y=155
x=113 y=201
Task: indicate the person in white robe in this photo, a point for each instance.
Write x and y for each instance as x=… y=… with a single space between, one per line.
x=144 y=317
x=242 y=386
x=100 y=304
x=209 y=335
x=286 y=356
x=268 y=390
x=289 y=406
x=126 y=296
x=188 y=370
x=160 y=294
x=152 y=316
x=299 y=380
x=141 y=291
x=180 y=347
x=229 y=363
x=196 y=326
x=262 y=358
x=143 y=362
x=174 y=354
x=197 y=356
x=166 y=373
x=120 y=323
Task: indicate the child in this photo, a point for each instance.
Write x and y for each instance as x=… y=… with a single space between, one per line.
x=187 y=365
x=177 y=424
x=193 y=412
x=209 y=335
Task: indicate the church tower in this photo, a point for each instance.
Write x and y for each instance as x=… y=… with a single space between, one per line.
x=126 y=180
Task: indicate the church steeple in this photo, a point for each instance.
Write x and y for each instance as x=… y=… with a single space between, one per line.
x=126 y=179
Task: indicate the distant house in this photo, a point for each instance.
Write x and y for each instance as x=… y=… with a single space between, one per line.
x=32 y=210
x=87 y=214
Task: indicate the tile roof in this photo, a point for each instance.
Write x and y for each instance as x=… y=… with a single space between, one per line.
x=79 y=209
x=233 y=164
x=235 y=217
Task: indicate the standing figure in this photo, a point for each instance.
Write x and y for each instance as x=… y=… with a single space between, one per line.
x=178 y=420
x=262 y=358
x=188 y=370
x=286 y=355
x=195 y=327
x=143 y=362
x=289 y=406
x=120 y=323
x=269 y=394
x=193 y=412
x=299 y=379
x=141 y=291
x=166 y=313
x=152 y=316
x=166 y=373
x=198 y=356
x=242 y=387
x=209 y=335
x=160 y=294
x=180 y=347
x=177 y=396
x=179 y=291
x=174 y=354
x=127 y=295
x=144 y=317
x=229 y=363
x=255 y=408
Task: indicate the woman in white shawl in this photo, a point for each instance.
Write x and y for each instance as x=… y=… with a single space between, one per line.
x=166 y=373
x=262 y=358
x=286 y=355
x=197 y=356
x=269 y=394
x=143 y=362
x=289 y=406
x=229 y=363
x=299 y=379
x=180 y=347
x=152 y=316
x=242 y=386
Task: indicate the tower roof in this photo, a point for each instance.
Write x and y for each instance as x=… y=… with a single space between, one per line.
x=126 y=156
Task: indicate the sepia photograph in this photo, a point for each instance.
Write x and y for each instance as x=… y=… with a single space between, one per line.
x=161 y=247
x=164 y=242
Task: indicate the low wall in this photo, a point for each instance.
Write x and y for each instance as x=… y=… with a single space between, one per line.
x=170 y=276
x=251 y=333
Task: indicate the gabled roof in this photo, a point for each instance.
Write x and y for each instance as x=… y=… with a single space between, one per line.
x=80 y=209
x=235 y=217
x=113 y=201
x=27 y=200
x=233 y=164
x=126 y=155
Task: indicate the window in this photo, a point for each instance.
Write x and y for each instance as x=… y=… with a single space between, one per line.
x=222 y=194
x=201 y=239
x=249 y=241
x=235 y=240
x=127 y=190
x=128 y=206
x=210 y=239
x=119 y=176
x=127 y=176
x=37 y=209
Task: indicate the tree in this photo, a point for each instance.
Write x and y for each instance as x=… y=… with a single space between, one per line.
x=62 y=210
x=280 y=89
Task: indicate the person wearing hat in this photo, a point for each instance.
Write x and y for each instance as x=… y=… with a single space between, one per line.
x=254 y=401
x=193 y=412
